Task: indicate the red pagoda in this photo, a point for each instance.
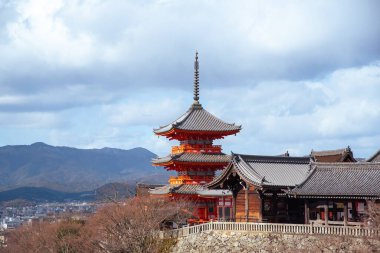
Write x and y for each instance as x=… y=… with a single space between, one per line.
x=196 y=158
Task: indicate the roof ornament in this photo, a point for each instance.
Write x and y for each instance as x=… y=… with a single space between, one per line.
x=196 y=79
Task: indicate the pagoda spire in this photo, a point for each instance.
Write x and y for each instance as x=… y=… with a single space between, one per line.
x=196 y=79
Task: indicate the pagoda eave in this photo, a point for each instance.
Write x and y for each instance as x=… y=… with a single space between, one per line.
x=180 y=134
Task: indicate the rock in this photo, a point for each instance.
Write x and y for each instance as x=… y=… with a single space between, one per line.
x=241 y=242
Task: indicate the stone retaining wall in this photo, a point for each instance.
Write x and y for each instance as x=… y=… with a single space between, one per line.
x=248 y=242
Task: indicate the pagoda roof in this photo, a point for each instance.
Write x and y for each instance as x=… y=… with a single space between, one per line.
x=198 y=119
x=178 y=188
x=193 y=189
x=193 y=158
x=266 y=170
x=338 y=180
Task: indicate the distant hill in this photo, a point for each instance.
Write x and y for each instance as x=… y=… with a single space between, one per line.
x=71 y=169
x=110 y=191
x=42 y=194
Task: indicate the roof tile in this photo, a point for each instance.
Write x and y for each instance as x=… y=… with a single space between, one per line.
x=198 y=119
x=194 y=157
x=341 y=179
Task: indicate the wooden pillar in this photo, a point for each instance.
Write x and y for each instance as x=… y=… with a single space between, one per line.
x=307 y=215
x=274 y=205
x=345 y=213
x=261 y=207
x=354 y=211
x=326 y=213
x=334 y=212
x=247 y=203
x=234 y=195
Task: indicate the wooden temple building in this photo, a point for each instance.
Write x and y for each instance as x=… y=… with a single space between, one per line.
x=259 y=184
x=196 y=158
x=324 y=188
x=337 y=193
x=284 y=189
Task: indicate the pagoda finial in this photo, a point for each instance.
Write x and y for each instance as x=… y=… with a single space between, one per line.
x=196 y=79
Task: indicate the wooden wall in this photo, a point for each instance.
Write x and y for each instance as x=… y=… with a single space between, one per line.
x=254 y=205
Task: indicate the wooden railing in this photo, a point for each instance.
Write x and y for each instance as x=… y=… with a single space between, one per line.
x=197 y=148
x=189 y=179
x=272 y=228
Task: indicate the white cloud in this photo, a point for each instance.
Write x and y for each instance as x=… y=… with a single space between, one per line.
x=297 y=75
x=29 y=120
x=143 y=112
x=40 y=33
x=341 y=109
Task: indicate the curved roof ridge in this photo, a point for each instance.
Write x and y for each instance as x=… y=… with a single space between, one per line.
x=180 y=119
x=275 y=159
x=198 y=118
x=218 y=178
x=346 y=166
x=212 y=115
x=250 y=170
x=374 y=156
x=331 y=151
x=309 y=174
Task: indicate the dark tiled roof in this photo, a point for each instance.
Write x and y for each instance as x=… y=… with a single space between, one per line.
x=189 y=189
x=198 y=119
x=267 y=170
x=178 y=189
x=194 y=157
x=341 y=179
x=337 y=155
x=328 y=152
x=375 y=157
x=160 y=190
x=215 y=192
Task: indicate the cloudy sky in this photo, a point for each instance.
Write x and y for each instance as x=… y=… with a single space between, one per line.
x=297 y=75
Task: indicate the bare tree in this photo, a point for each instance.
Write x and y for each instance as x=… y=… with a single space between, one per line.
x=121 y=227
x=62 y=237
x=132 y=226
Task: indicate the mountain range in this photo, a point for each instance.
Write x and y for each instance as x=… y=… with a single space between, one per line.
x=73 y=170
x=27 y=195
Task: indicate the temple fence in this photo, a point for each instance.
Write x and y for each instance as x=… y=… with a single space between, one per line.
x=271 y=228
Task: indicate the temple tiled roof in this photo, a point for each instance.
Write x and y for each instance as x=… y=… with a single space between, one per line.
x=215 y=193
x=340 y=180
x=177 y=188
x=194 y=157
x=188 y=189
x=198 y=119
x=375 y=157
x=337 y=155
x=266 y=170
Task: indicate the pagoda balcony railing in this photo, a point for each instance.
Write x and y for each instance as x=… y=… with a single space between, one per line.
x=189 y=179
x=197 y=149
